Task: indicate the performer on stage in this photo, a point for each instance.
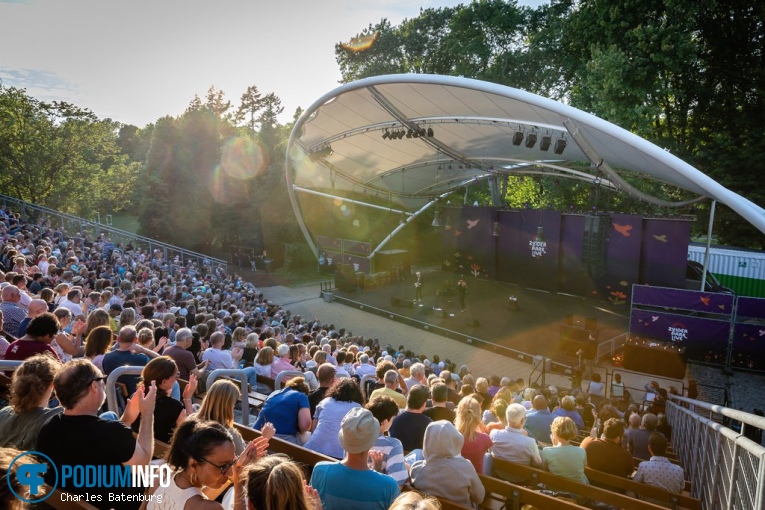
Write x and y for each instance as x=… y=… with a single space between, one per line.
x=418 y=287
x=462 y=292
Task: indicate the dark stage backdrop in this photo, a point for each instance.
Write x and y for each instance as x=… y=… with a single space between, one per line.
x=527 y=255
x=467 y=242
x=573 y=277
x=665 y=252
x=623 y=257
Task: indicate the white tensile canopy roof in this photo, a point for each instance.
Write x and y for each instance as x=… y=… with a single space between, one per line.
x=409 y=139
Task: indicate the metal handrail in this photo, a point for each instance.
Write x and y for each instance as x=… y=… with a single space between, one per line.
x=242 y=377
x=111 y=384
x=287 y=374
x=112 y=230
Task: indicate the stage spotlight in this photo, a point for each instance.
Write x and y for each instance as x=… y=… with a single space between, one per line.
x=386 y=134
x=531 y=140
x=430 y=132
x=518 y=138
x=545 y=143
x=409 y=134
x=560 y=145
x=436 y=220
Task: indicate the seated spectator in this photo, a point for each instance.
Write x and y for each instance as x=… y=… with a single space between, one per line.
x=562 y=458
x=250 y=350
x=409 y=426
x=440 y=411
x=351 y=483
x=124 y=355
x=289 y=412
x=390 y=379
x=417 y=377
x=97 y=344
x=179 y=352
x=513 y=443
x=497 y=413
x=168 y=412
x=364 y=367
x=218 y=358
x=203 y=460
x=659 y=471
x=66 y=345
x=413 y=500
x=40 y=333
x=388 y=452
x=326 y=375
x=5 y=338
x=539 y=420
x=469 y=424
x=567 y=409
x=637 y=443
x=218 y=406
x=586 y=410
x=482 y=388
x=35 y=308
x=282 y=362
x=343 y=396
x=31 y=388
x=11 y=460
x=90 y=440
x=664 y=428
x=606 y=453
x=13 y=314
x=443 y=463
x=276 y=482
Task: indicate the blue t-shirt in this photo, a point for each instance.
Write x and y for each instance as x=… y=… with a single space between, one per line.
x=115 y=359
x=281 y=409
x=341 y=487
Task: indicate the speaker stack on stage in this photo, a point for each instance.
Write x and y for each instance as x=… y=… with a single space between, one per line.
x=597 y=229
x=575 y=337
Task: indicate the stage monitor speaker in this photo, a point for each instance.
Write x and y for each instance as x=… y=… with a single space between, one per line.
x=569 y=319
x=590 y=323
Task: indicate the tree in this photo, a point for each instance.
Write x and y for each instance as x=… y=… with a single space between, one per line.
x=252 y=103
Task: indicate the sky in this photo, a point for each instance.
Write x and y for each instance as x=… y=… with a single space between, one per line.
x=135 y=61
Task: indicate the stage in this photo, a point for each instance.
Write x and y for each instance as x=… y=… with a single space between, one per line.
x=531 y=324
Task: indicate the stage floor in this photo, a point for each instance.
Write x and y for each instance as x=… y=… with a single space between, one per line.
x=533 y=328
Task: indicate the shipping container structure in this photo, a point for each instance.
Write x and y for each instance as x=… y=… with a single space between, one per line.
x=743 y=271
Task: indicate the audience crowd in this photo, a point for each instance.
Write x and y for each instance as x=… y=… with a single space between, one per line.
x=75 y=308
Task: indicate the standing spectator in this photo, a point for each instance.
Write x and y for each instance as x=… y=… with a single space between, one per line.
x=606 y=453
x=659 y=471
x=341 y=398
x=351 y=483
x=443 y=444
x=124 y=355
x=469 y=424
x=390 y=460
x=90 y=440
x=409 y=426
x=563 y=458
x=13 y=314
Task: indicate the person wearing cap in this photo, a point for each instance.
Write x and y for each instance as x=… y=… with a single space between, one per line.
x=351 y=483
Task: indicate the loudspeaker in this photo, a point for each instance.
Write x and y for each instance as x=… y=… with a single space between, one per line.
x=597 y=229
x=569 y=321
x=590 y=323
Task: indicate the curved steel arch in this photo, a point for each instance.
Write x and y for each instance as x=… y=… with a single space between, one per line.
x=471 y=121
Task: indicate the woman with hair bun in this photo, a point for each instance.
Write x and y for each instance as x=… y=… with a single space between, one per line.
x=275 y=482
x=31 y=389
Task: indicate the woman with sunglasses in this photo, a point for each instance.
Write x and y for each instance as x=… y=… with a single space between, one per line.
x=203 y=460
x=168 y=412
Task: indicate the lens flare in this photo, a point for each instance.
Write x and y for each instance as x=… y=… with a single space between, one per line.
x=242 y=158
x=362 y=43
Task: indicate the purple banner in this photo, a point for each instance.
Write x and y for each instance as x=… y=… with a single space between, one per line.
x=450 y=238
x=623 y=257
x=328 y=243
x=574 y=278
x=700 y=337
x=476 y=242
x=683 y=299
x=751 y=307
x=665 y=252
x=356 y=247
x=748 y=346
x=360 y=264
x=529 y=246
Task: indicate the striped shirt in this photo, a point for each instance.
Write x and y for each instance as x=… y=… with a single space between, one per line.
x=393 y=458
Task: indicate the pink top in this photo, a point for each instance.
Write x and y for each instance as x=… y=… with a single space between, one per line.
x=475 y=450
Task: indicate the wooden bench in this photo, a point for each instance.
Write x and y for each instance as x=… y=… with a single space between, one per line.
x=537 y=476
x=642 y=490
x=505 y=495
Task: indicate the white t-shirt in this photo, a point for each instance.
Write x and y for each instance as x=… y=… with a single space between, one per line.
x=218 y=359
